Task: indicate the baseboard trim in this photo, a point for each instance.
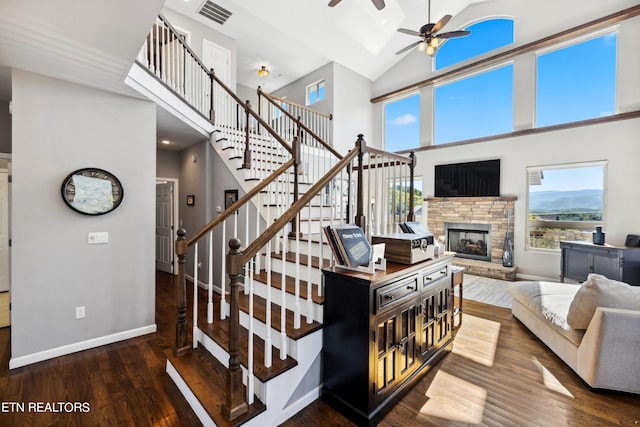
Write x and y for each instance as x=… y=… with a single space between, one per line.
x=299 y=404
x=17 y=362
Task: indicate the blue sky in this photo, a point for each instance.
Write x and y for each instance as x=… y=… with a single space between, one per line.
x=574 y=83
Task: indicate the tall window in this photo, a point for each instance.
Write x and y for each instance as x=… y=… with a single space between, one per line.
x=402 y=123
x=315 y=92
x=577 y=82
x=485 y=36
x=473 y=107
x=565 y=202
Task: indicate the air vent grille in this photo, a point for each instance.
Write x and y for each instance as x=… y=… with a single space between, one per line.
x=215 y=12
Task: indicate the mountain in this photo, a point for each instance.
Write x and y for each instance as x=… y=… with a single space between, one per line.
x=565 y=201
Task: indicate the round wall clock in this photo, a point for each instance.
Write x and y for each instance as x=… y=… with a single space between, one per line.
x=92 y=191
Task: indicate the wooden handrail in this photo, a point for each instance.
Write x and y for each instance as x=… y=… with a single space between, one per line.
x=182 y=42
x=255 y=115
x=299 y=122
x=287 y=216
x=288 y=101
x=240 y=202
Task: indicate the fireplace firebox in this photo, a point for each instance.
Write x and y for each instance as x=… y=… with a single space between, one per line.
x=471 y=241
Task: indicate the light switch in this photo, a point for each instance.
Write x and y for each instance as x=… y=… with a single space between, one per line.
x=98 y=237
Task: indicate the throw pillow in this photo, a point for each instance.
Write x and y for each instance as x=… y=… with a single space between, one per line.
x=598 y=291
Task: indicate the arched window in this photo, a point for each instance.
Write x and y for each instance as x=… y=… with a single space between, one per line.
x=485 y=36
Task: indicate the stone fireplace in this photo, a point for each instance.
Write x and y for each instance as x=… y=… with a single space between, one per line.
x=479 y=225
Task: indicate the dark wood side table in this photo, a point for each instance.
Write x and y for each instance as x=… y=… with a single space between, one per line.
x=457 y=277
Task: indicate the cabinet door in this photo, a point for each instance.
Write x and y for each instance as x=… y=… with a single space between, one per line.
x=397 y=348
x=428 y=324
x=577 y=264
x=607 y=265
x=443 y=315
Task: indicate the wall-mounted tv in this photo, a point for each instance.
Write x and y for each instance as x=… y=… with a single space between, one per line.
x=470 y=179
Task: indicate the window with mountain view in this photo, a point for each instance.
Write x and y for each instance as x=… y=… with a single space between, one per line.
x=565 y=202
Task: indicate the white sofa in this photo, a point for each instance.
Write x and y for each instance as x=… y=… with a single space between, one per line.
x=594 y=327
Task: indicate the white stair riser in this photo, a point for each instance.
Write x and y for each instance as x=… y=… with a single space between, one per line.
x=316 y=274
x=260 y=289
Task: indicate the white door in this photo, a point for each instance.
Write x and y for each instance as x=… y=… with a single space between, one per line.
x=4 y=230
x=219 y=58
x=164 y=227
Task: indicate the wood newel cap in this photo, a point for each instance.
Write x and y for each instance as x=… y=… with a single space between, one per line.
x=361 y=143
x=234 y=258
x=181 y=242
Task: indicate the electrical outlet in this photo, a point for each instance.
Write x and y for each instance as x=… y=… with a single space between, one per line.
x=80 y=313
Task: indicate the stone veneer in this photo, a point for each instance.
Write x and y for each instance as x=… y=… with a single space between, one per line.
x=486 y=210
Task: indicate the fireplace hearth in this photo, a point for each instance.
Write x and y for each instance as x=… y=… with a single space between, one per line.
x=472 y=241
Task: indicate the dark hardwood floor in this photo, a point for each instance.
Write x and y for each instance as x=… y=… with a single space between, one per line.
x=497 y=374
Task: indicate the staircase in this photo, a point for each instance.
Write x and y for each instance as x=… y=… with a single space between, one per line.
x=249 y=352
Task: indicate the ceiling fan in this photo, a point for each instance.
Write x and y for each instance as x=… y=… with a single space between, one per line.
x=379 y=4
x=429 y=36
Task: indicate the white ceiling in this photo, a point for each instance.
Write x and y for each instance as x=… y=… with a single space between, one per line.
x=294 y=37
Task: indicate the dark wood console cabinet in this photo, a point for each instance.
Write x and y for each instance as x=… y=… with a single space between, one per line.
x=381 y=332
x=578 y=259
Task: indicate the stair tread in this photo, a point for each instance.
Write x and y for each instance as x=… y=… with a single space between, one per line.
x=206 y=377
x=304 y=259
x=219 y=332
x=290 y=283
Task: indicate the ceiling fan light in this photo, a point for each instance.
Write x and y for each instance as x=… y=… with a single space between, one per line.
x=422 y=46
x=263 y=72
x=431 y=51
x=435 y=43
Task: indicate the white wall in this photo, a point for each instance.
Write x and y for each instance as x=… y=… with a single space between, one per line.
x=352 y=109
x=59 y=127
x=198 y=32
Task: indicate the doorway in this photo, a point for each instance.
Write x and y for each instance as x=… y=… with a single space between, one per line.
x=166 y=218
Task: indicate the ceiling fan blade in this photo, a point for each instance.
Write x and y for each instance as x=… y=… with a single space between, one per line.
x=406 y=48
x=453 y=34
x=410 y=32
x=441 y=23
x=334 y=2
x=378 y=3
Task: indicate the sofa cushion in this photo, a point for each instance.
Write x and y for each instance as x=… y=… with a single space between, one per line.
x=550 y=302
x=598 y=291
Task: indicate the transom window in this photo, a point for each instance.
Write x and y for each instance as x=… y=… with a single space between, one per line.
x=577 y=82
x=485 y=36
x=565 y=202
x=315 y=92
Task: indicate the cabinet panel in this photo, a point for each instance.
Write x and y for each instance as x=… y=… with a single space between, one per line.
x=606 y=265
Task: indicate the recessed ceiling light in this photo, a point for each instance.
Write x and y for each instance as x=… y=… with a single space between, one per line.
x=166 y=142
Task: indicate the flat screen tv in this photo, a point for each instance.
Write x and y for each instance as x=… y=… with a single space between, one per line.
x=470 y=179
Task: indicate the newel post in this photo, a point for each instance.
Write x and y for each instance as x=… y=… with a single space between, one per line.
x=180 y=282
x=360 y=219
x=412 y=166
x=296 y=170
x=247 y=152
x=235 y=404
